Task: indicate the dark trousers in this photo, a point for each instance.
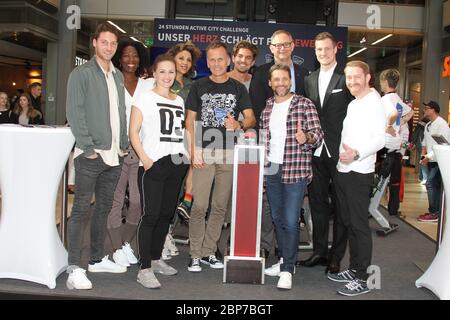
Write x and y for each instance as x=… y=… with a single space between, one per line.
x=267 y=227
x=159 y=187
x=320 y=190
x=395 y=159
x=91 y=176
x=434 y=187
x=353 y=193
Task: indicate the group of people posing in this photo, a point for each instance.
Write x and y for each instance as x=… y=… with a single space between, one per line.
x=167 y=133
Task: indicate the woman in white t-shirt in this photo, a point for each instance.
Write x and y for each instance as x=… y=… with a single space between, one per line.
x=130 y=58
x=157 y=136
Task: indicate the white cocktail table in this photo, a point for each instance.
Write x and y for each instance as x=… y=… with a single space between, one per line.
x=437 y=277
x=32 y=160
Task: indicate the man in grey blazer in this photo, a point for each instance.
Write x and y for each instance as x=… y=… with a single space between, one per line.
x=326 y=88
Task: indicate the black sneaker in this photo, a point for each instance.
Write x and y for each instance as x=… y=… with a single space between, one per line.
x=212 y=261
x=183 y=211
x=354 y=288
x=344 y=276
x=194 y=265
x=219 y=255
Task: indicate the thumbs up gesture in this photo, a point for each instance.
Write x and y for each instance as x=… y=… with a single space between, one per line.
x=300 y=135
x=348 y=155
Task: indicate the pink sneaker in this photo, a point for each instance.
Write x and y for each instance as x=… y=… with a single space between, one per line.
x=431 y=217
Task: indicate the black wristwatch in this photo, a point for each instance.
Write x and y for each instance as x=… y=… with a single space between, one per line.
x=356 y=155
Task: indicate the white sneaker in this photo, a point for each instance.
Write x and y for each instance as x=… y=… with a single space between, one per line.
x=120 y=258
x=169 y=244
x=274 y=270
x=285 y=281
x=147 y=278
x=77 y=280
x=165 y=254
x=130 y=253
x=159 y=266
x=106 y=266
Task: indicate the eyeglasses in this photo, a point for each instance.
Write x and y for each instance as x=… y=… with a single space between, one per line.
x=285 y=45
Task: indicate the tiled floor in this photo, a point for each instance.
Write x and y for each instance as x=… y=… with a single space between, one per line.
x=415 y=203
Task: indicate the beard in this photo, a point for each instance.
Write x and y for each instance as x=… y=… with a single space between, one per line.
x=281 y=91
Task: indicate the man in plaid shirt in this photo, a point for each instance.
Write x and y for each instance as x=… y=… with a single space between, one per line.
x=290 y=130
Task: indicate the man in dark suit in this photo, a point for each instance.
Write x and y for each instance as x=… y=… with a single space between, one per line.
x=326 y=88
x=282 y=46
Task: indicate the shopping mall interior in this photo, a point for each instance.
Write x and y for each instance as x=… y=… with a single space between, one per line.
x=36 y=45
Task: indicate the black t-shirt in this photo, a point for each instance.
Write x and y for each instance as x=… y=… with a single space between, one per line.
x=213 y=101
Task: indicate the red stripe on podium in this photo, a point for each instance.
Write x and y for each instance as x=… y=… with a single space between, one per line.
x=246 y=222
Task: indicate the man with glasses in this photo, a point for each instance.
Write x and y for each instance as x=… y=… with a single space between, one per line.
x=282 y=46
x=96 y=115
x=437 y=126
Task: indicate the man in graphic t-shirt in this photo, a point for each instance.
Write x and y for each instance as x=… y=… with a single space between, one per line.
x=213 y=106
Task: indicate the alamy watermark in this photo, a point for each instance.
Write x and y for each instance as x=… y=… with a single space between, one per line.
x=374 y=279
x=73 y=21
x=374 y=19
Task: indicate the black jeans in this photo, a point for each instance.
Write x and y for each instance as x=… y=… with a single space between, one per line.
x=159 y=187
x=320 y=191
x=395 y=159
x=91 y=176
x=353 y=193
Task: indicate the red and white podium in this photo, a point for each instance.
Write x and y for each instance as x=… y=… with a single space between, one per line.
x=244 y=264
x=437 y=277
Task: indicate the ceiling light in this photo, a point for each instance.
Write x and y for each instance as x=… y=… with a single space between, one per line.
x=382 y=39
x=356 y=52
x=115 y=25
x=133 y=38
x=363 y=40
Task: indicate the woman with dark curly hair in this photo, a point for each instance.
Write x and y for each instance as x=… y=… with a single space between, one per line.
x=186 y=56
x=132 y=59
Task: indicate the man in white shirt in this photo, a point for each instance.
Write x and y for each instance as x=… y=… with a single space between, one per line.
x=362 y=136
x=398 y=113
x=436 y=127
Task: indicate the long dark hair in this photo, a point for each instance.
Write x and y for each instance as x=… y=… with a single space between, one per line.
x=143 y=57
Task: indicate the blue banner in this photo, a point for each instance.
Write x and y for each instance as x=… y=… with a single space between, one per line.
x=169 y=32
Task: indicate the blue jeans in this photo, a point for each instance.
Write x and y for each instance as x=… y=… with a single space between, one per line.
x=285 y=202
x=434 y=188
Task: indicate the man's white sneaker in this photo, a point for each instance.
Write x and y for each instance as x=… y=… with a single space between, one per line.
x=169 y=244
x=120 y=258
x=159 y=266
x=285 y=281
x=130 y=253
x=77 y=280
x=106 y=266
x=274 y=270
